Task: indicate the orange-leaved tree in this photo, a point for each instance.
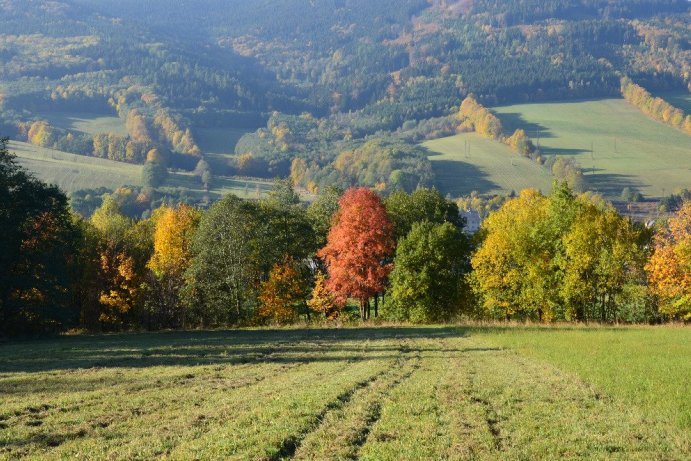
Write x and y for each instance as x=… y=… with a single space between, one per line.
x=669 y=267
x=358 y=249
x=284 y=293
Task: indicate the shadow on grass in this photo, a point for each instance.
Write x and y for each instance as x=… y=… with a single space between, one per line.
x=460 y=178
x=560 y=151
x=193 y=348
x=610 y=184
x=515 y=120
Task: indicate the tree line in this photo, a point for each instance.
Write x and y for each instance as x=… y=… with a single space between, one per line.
x=350 y=254
x=656 y=108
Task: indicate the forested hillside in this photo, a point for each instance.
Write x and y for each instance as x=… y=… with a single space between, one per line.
x=325 y=80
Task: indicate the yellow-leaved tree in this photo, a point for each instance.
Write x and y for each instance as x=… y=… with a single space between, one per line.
x=322 y=300
x=173 y=233
x=601 y=260
x=512 y=267
x=669 y=267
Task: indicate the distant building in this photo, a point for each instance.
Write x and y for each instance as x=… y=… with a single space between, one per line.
x=472 y=221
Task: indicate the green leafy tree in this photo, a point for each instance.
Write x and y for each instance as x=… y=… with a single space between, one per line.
x=427 y=280
x=226 y=264
x=154 y=174
x=422 y=205
x=321 y=213
x=286 y=227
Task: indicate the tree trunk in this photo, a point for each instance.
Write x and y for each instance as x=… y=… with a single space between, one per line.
x=369 y=310
x=376 y=305
x=362 y=311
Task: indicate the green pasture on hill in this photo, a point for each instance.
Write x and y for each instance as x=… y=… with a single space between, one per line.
x=614 y=143
x=86 y=122
x=218 y=145
x=468 y=162
x=72 y=172
x=423 y=393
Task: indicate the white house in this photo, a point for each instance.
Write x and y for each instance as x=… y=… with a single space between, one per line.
x=472 y=221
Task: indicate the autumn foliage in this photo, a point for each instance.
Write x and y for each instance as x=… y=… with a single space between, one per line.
x=172 y=239
x=359 y=247
x=322 y=300
x=283 y=293
x=669 y=268
x=654 y=107
x=473 y=116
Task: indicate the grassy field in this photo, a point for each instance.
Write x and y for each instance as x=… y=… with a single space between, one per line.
x=73 y=172
x=243 y=188
x=219 y=140
x=218 y=144
x=369 y=393
x=615 y=144
x=646 y=367
x=467 y=162
x=86 y=122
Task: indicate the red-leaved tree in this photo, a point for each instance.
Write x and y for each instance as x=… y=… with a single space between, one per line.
x=359 y=246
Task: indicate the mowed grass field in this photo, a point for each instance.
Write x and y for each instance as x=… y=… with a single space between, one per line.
x=614 y=143
x=649 y=368
x=72 y=172
x=468 y=162
x=368 y=393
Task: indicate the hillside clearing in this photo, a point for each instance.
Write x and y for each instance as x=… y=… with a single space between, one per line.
x=369 y=393
x=86 y=122
x=219 y=141
x=245 y=188
x=468 y=162
x=72 y=172
x=614 y=143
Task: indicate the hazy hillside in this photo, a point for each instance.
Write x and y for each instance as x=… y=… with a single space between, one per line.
x=322 y=80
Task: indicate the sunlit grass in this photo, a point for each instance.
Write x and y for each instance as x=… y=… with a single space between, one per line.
x=644 y=366
x=384 y=393
x=614 y=143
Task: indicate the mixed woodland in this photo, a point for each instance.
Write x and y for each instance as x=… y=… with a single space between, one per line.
x=352 y=254
x=335 y=97
x=326 y=84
